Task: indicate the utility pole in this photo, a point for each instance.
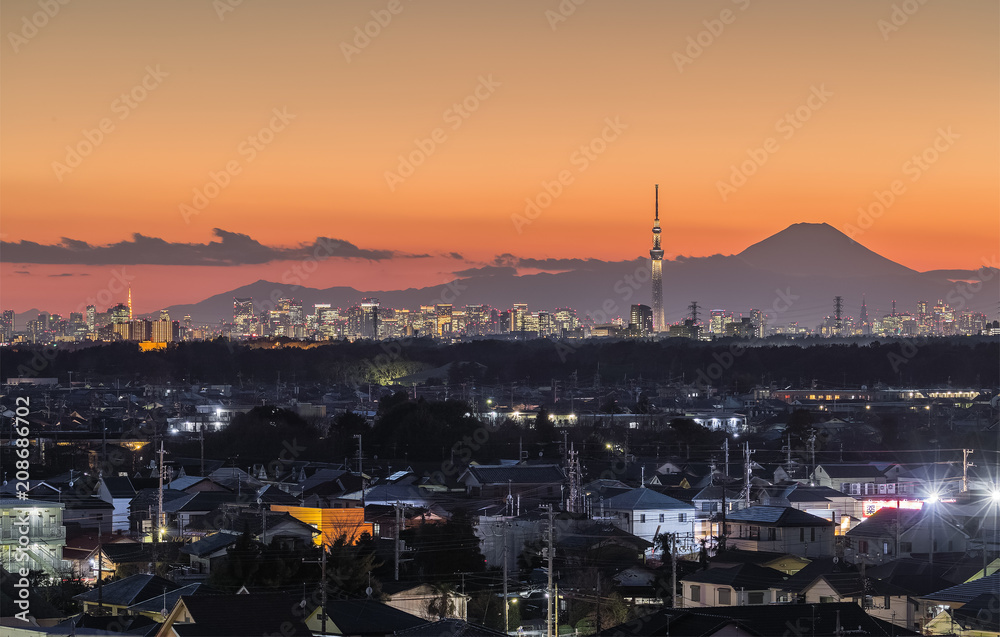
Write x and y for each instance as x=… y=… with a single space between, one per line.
x=201 y=437
x=673 y=568
x=395 y=508
x=159 y=499
x=549 y=590
x=965 y=470
x=322 y=585
x=725 y=447
x=361 y=471
x=506 y=609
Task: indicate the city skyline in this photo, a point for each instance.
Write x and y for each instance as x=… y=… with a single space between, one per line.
x=422 y=165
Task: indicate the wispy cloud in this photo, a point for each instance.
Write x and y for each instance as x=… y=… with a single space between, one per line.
x=232 y=249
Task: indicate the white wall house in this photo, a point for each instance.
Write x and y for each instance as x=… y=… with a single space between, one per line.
x=644 y=513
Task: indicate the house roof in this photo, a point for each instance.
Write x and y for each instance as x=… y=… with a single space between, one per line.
x=450 y=627
x=884 y=521
x=128 y=591
x=199 y=502
x=158 y=602
x=764 y=620
x=368 y=617
x=239 y=615
x=644 y=499
x=737 y=556
x=517 y=474
x=851 y=471
x=980 y=612
x=746 y=576
x=965 y=593
x=210 y=544
x=776 y=516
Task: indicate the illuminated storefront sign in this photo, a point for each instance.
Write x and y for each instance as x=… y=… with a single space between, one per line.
x=871 y=506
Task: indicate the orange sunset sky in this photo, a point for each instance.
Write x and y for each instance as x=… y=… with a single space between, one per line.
x=897 y=79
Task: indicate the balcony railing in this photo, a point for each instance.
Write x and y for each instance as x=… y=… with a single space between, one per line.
x=35 y=534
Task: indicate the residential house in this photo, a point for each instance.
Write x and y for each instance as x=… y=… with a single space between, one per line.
x=742 y=585
x=645 y=513
x=237 y=615
x=416 y=599
x=842 y=476
x=945 y=608
x=780 y=529
x=535 y=482
x=785 y=562
x=892 y=533
x=42 y=524
x=119 y=491
x=116 y=597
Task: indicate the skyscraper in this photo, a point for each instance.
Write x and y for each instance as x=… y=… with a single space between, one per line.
x=369 y=318
x=656 y=254
x=7 y=326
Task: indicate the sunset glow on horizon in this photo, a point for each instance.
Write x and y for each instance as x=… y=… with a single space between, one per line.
x=438 y=131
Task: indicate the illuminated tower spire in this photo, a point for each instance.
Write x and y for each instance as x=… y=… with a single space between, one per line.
x=130 y=302
x=656 y=254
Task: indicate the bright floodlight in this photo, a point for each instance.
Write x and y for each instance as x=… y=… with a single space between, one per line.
x=995 y=494
x=932 y=498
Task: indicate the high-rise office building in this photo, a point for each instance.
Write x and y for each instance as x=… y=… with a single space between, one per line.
x=7 y=326
x=243 y=316
x=120 y=314
x=369 y=318
x=656 y=255
x=91 y=318
x=443 y=312
x=641 y=317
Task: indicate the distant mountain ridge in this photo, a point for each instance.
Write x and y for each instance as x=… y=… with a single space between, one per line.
x=792 y=276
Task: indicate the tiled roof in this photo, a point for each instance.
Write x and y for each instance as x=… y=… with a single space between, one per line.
x=128 y=591
x=644 y=499
x=368 y=617
x=210 y=544
x=158 y=602
x=851 y=471
x=968 y=591
x=776 y=516
x=517 y=474
x=240 y=615
x=884 y=521
x=747 y=576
